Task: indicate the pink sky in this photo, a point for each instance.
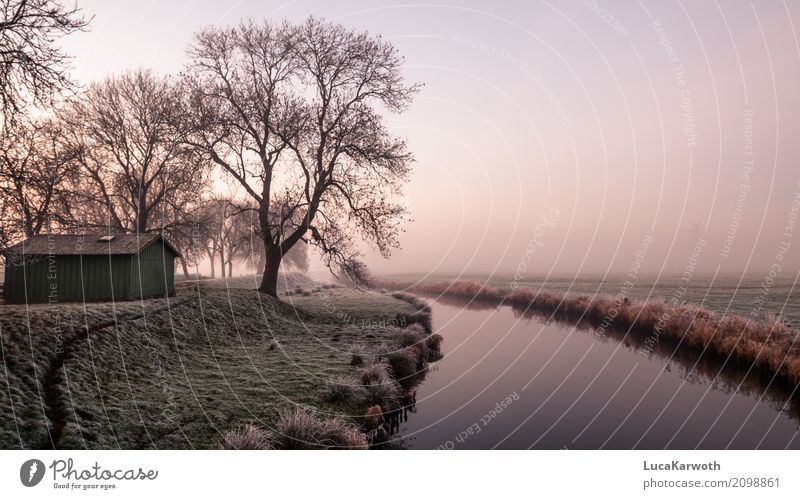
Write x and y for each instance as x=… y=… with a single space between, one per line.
x=634 y=120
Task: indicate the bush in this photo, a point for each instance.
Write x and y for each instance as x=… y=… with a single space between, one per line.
x=304 y=429
x=373 y=418
x=434 y=344
x=345 y=389
x=357 y=354
x=381 y=388
x=250 y=437
x=405 y=364
x=422 y=317
x=415 y=337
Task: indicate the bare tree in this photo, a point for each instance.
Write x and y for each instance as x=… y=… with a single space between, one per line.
x=291 y=113
x=139 y=174
x=189 y=233
x=238 y=235
x=216 y=233
x=37 y=173
x=33 y=69
x=207 y=231
x=233 y=233
x=296 y=258
x=255 y=255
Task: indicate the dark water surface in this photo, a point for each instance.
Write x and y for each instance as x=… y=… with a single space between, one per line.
x=516 y=382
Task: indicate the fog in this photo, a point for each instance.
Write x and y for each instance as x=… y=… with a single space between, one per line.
x=558 y=138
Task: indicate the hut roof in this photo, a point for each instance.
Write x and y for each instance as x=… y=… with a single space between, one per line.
x=87 y=244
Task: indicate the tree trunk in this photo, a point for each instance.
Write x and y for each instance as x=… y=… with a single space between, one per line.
x=269 y=281
x=211 y=254
x=142 y=217
x=230 y=268
x=185 y=268
x=222 y=261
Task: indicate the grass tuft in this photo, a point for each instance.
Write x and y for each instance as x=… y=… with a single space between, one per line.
x=357 y=355
x=305 y=429
x=250 y=437
x=434 y=344
x=380 y=385
x=345 y=389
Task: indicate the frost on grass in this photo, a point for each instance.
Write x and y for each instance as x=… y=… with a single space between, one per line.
x=250 y=437
x=216 y=354
x=305 y=429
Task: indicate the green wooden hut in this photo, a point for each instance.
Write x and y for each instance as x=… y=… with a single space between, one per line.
x=75 y=268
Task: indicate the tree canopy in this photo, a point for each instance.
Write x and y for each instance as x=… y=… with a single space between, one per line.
x=293 y=114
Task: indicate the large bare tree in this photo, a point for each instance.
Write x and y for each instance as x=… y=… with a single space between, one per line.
x=38 y=169
x=138 y=173
x=292 y=113
x=33 y=69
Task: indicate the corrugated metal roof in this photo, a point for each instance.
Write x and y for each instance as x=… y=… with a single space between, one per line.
x=86 y=244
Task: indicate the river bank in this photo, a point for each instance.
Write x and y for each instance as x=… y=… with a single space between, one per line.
x=216 y=361
x=514 y=380
x=765 y=345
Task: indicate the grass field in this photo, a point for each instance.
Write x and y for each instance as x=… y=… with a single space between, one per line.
x=181 y=373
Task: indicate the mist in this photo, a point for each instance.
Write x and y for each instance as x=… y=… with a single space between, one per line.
x=617 y=123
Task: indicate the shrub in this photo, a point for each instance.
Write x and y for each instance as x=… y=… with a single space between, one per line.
x=357 y=354
x=383 y=349
x=434 y=344
x=345 y=389
x=414 y=336
x=378 y=435
x=422 y=317
x=373 y=418
x=375 y=372
x=250 y=437
x=405 y=364
x=304 y=429
x=381 y=388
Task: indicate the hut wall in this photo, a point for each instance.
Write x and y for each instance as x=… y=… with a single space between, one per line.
x=69 y=278
x=152 y=271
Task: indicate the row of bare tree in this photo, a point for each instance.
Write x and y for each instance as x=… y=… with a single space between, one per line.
x=287 y=117
x=114 y=160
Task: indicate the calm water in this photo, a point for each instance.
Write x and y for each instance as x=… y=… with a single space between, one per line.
x=518 y=382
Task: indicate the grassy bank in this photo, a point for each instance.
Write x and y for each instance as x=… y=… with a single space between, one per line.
x=196 y=370
x=768 y=347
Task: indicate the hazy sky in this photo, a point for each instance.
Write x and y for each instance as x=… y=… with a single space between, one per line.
x=621 y=121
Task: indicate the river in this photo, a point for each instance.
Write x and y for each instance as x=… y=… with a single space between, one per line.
x=515 y=382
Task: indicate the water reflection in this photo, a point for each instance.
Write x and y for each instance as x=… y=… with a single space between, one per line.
x=692 y=366
x=576 y=389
